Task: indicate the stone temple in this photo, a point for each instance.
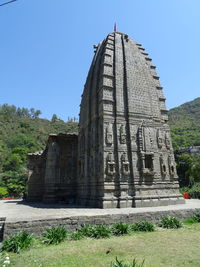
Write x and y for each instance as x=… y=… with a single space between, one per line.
x=122 y=156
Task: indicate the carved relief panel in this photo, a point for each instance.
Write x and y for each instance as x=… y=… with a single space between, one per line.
x=133 y=130
x=109 y=134
x=167 y=140
x=171 y=164
x=110 y=164
x=122 y=131
x=160 y=140
x=163 y=169
x=125 y=164
x=140 y=139
x=146 y=138
x=149 y=138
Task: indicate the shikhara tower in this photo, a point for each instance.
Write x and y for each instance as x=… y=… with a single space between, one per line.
x=125 y=155
x=122 y=156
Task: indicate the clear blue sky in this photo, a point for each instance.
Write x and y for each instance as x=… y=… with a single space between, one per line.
x=46 y=48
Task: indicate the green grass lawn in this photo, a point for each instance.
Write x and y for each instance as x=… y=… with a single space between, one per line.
x=179 y=247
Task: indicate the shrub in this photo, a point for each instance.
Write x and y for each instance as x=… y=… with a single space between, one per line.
x=86 y=230
x=54 y=235
x=196 y=217
x=120 y=263
x=77 y=235
x=97 y=231
x=120 y=229
x=170 y=222
x=189 y=221
x=100 y=231
x=143 y=226
x=194 y=191
x=3 y=192
x=17 y=242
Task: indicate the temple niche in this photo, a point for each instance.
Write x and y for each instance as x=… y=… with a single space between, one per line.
x=122 y=156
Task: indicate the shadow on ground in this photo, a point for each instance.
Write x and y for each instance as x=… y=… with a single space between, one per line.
x=45 y=206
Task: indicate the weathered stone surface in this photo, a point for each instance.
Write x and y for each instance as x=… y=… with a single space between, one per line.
x=38 y=226
x=125 y=149
x=123 y=156
x=52 y=174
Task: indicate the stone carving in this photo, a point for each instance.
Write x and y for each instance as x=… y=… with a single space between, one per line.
x=125 y=164
x=150 y=137
x=140 y=139
x=160 y=138
x=167 y=140
x=162 y=166
x=133 y=132
x=171 y=166
x=122 y=134
x=109 y=134
x=110 y=164
x=146 y=137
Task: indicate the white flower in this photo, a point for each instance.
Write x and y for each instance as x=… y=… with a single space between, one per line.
x=7 y=262
x=7 y=258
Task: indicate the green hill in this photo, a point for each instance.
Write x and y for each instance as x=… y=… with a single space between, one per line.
x=23 y=128
x=184 y=122
x=22 y=132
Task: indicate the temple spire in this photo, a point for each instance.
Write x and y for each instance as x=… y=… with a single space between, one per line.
x=115 y=27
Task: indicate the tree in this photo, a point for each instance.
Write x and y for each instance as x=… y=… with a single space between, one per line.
x=14 y=182
x=32 y=112
x=3 y=192
x=54 y=118
x=183 y=166
x=22 y=140
x=3 y=154
x=188 y=169
x=37 y=113
x=25 y=112
x=194 y=170
x=13 y=163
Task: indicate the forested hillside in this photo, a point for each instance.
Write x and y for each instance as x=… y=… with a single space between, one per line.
x=185 y=124
x=21 y=132
x=185 y=130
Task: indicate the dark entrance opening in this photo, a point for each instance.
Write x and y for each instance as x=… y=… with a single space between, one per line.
x=148 y=162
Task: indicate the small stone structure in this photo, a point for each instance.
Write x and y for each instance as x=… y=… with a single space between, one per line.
x=53 y=172
x=122 y=156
